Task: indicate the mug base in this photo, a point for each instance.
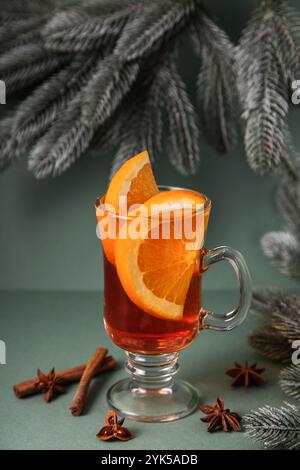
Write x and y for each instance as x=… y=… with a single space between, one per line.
x=168 y=403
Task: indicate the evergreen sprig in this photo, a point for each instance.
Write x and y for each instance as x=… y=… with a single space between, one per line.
x=283 y=247
x=274 y=427
x=290 y=381
x=280 y=326
x=216 y=83
x=42 y=41
x=79 y=101
x=267 y=60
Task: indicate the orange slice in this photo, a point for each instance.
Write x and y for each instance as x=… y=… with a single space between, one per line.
x=133 y=180
x=156 y=273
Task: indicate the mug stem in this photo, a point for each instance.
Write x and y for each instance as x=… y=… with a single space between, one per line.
x=152 y=394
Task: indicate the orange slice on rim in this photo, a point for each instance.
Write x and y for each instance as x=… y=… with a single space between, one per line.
x=156 y=272
x=135 y=181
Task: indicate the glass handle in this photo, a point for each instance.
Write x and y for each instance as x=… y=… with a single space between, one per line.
x=228 y=321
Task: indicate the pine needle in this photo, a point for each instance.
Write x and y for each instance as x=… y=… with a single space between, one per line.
x=283 y=250
x=270 y=344
x=289 y=381
x=158 y=24
x=183 y=145
x=274 y=427
x=263 y=92
x=216 y=83
x=107 y=88
x=281 y=325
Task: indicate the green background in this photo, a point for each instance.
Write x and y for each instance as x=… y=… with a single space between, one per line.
x=47 y=234
x=51 y=275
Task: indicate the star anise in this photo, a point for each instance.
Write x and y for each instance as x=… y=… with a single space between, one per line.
x=246 y=375
x=114 y=429
x=49 y=384
x=218 y=418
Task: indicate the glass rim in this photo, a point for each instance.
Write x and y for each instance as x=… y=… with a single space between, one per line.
x=100 y=204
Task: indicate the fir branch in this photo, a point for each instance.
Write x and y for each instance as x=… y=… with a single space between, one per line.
x=13 y=28
x=42 y=107
x=283 y=250
x=158 y=24
x=107 y=88
x=88 y=35
x=288 y=203
x=31 y=74
x=262 y=87
x=281 y=326
x=21 y=57
x=286 y=25
x=73 y=133
x=289 y=381
x=141 y=126
x=27 y=8
x=216 y=83
x=268 y=342
x=274 y=427
x=62 y=144
x=6 y=155
x=183 y=145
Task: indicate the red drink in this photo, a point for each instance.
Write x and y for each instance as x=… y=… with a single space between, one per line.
x=134 y=330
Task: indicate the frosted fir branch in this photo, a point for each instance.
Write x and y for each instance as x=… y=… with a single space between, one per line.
x=289 y=381
x=283 y=250
x=88 y=35
x=72 y=135
x=43 y=104
x=12 y=27
x=287 y=27
x=141 y=126
x=105 y=12
x=27 y=8
x=62 y=144
x=281 y=324
x=31 y=74
x=21 y=56
x=183 y=143
x=274 y=427
x=263 y=92
x=282 y=309
x=158 y=24
x=268 y=342
x=32 y=36
x=107 y=135
x=288 y=202
x=6 y=155
x=107 y=88
x=216 y=83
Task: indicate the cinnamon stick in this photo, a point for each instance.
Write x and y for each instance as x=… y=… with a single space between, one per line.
x=78 y=401
x=68 y=376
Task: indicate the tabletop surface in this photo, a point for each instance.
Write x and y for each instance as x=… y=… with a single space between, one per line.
x=43 y=330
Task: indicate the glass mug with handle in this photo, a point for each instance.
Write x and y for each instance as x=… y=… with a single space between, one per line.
x=152 y=302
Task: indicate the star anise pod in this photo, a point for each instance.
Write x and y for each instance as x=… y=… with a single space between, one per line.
x=246 y=375
x=49 y=384
x=218 y=418
x=114 y=429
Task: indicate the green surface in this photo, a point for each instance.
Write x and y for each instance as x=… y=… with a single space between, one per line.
x=63 y=329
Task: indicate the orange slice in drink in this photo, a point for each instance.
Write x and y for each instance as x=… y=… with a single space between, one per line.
x=133 y=181
x=156 y=271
